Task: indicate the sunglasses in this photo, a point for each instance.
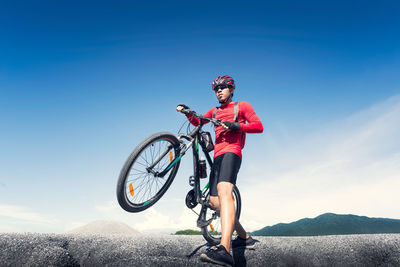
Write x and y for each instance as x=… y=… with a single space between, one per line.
x=222 y=86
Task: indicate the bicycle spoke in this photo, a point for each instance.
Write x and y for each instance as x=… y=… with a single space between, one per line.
x=151 y=187
x=141 y=184
x=146 y=191
x=141 y=177
x=151 y=151
x=164 y=164
x=158 y=184
x=159 y=149
x=161 y=160
x=145 y=158
x=140 y=172
x=136 y=182
x=141 y=163
x=139 y=192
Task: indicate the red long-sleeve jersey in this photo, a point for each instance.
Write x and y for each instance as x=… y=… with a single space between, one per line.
x=232 y=141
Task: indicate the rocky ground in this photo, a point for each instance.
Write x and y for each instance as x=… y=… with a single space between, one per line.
x=168 y=250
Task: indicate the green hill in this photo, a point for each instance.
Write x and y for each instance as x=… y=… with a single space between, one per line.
x=188 y=232
x=332 y=224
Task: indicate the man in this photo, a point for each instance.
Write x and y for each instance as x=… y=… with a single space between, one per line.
x=229 y=141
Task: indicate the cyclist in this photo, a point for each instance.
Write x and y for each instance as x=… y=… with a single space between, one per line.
x=229 y=141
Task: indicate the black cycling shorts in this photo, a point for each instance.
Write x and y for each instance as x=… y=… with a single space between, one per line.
x=225 y=169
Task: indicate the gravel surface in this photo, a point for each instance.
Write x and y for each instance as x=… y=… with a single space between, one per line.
x=168 y=250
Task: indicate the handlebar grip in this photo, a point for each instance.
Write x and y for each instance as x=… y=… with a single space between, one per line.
x=185 y=111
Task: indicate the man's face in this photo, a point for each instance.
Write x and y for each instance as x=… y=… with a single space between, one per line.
x=222 y=92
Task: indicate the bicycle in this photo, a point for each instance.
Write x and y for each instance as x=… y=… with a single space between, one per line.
x=152 y=166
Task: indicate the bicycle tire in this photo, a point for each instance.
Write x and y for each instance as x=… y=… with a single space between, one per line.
x=134 y=187
x=210 y=232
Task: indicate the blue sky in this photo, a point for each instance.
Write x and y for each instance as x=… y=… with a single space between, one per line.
x=83 y=82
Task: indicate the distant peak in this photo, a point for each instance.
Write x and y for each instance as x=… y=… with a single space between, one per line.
x=105 y=228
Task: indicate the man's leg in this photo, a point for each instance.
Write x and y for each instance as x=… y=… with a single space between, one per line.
x=240 y=230
x=227 y=213
x=238 y=227
x=214 y=203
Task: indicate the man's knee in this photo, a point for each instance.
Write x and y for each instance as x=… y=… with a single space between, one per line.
x=224 y=189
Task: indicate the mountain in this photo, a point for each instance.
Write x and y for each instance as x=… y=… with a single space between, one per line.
x=332 y=224
x=105 y=228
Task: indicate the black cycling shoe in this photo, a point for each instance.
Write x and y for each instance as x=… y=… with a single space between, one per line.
x=217 y=255
x=243 y=243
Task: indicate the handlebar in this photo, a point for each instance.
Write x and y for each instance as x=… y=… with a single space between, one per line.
x=200 y=117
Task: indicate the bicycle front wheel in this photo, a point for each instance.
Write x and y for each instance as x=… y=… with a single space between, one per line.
x=212 y=232
x=140 y=185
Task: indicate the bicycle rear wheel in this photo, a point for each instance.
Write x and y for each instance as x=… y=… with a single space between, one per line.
x=139 y=186
x=212 y=232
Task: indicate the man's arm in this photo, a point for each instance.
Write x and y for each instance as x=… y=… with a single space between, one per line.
x=254 y=124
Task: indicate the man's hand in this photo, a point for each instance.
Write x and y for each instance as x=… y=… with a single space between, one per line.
x=233 y=126
x=181 y=106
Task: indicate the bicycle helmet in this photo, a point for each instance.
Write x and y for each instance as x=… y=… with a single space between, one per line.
x=224 y=79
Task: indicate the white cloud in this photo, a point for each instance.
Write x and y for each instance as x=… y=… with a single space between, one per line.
x=352 y=166
x=25 y=214
x=9 y=228
x=150 y=220
x=23 y=219
x=155 y=220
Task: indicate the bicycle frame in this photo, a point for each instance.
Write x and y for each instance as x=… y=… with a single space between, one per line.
x=196 y=133
x=195 y=139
